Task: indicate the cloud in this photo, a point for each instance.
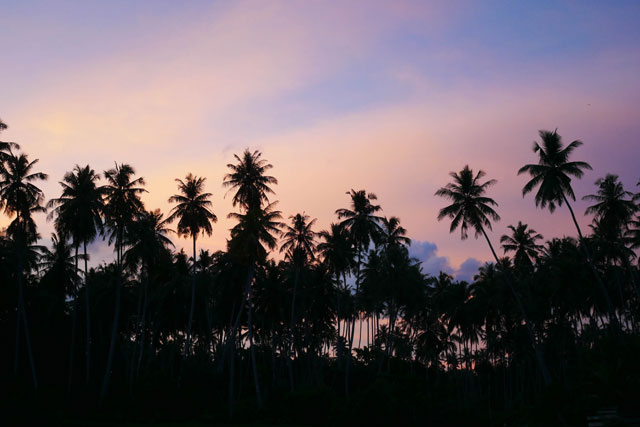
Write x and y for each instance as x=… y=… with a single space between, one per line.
x=432 y=263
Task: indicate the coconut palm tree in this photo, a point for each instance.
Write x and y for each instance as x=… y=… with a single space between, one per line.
x=552 y=175
x=257 y=226
x=78 y=214
x=121 y=205
x=613 y=211
x=249 y=180
x=523 y=242
x=19 y=196
x=470 y=208
x=194 y=217
x=147 y=243
x=363 y=226
x=5 y=147
x=298 y=243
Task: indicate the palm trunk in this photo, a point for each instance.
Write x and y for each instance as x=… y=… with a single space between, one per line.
x=88 y=316
x=143 y=326
x=23 y=312
x=137 y=333
x=292 y=329
x=253 y=354
x=353 y=327
x=193 y=300
x=612 y=314
x=74 y=316
x=540 y=358
x=114 y=328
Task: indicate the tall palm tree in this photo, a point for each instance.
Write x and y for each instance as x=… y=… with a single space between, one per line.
x=194 y=217
x=470 y=208
x=121 y=205
x=78 y=213
x=338 y=254
x=19 y=196
x=613 y=211
x=258 y=225
x=147 y=242
x=363 y=226
x=298 y=242
x=523 y=242
x=552 y=175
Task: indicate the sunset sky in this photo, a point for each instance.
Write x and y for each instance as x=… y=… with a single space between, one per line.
x=384 y=96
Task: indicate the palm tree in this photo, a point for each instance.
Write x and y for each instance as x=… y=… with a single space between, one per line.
x=523 y=242
x=363 y=226
x=249 y=181
x=121 y=205
x=299 y=246
x=470 y=208
x=20 y=197
x=339 y=256
x=78 y=213
x=256 y=226
x=613 y=212
x=148 y=242
x=194 y=215
x=552 y=175
x=5 y=148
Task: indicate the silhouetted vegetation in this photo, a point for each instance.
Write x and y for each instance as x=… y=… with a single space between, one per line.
x=302 y=326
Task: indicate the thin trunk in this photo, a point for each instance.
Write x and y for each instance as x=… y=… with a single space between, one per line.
x=253 y=354
x=143 y=327
x=114 y=328
x=292 y=329
x=612 y=314
x=353 y=326
x=543 y=366
x=88 y=316
x=193 y=299
x=74 y=315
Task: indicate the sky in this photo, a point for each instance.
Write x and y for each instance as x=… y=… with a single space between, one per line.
x=384 y=96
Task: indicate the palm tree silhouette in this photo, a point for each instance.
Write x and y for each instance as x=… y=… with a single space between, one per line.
x=147 y=241
x=552 y=175
x=613 y=211
x=363 y=226
x=194 y=217
x=121 y=205
x=258 y=225
x=523 y=242
x=338 y=255
x=78 y=213
x=470 y=208
x=298 y=242
x=5 y=147
x=21 y=197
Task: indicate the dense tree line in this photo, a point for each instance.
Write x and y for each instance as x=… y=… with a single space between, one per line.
x=344 y=327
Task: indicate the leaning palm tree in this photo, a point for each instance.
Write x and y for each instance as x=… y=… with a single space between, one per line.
x=470 y=208
x=523 y=242
x=552 y=175
x=363 y=226
x=298 y=243
x=194 y=217
x=78 y=214
x=121 y=205
x=19 y=196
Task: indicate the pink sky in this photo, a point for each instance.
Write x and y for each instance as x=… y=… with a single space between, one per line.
x=385 y=98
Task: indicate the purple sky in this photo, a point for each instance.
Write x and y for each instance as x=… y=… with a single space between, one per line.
x=385 y=96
